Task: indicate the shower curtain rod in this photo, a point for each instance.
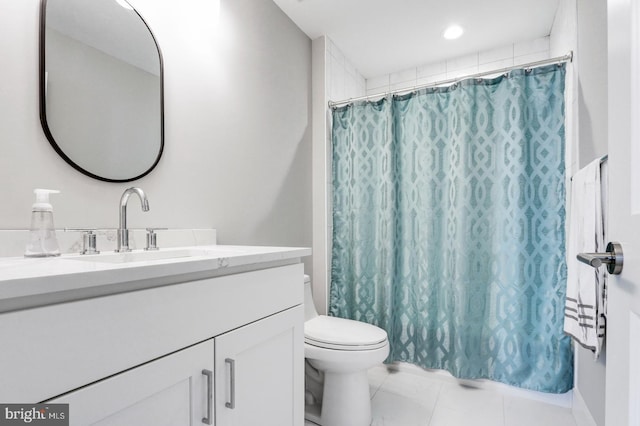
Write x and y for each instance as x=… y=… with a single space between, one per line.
x=557 y=60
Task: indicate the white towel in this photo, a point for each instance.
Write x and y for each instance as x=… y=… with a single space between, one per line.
x=586 y=287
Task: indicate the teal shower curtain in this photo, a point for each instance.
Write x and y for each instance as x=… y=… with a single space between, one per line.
x=449 y=226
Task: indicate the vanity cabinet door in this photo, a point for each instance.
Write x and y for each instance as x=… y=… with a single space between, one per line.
x=171 y=391
x=259 y=372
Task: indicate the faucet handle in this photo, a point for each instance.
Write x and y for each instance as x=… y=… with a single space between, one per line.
x=151 y=238
x=88 y=239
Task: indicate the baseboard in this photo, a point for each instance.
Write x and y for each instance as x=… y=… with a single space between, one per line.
x=581 y=413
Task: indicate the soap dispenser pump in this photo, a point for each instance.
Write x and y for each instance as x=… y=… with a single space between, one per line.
x=42 y=234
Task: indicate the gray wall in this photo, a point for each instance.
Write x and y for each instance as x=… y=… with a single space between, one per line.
x=592 y=80
x=237 y=120
x=592 y=131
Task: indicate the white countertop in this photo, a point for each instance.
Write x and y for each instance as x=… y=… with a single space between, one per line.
x=26 y=283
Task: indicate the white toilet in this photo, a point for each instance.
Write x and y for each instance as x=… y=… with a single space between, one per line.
x=338 y=354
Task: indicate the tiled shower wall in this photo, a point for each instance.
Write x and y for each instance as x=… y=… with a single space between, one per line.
x=343 y=79
x=501 y=57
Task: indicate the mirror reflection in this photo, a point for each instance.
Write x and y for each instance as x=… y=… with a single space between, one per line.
x=101 y=88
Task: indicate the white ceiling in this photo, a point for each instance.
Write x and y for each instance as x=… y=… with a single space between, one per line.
x=384 y=36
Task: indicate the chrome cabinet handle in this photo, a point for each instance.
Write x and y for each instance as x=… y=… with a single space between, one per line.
x=613 y=258
x=208 y=420
x=232 y=383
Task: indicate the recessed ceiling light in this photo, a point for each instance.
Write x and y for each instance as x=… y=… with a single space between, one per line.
x=453 y=32
x=124 y=4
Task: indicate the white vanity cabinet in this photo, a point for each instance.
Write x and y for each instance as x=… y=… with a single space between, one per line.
x=142 y=357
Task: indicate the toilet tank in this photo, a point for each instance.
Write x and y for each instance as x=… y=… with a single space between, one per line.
x=309 y=307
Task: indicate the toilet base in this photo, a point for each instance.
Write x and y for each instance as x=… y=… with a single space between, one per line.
x=346 y=401
x=312 y=413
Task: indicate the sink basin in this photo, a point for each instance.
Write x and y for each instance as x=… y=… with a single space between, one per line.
x=141 y=256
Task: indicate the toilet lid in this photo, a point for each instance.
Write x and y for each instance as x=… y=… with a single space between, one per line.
x=340 y=333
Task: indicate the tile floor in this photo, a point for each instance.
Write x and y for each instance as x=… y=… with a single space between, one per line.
x=413 y=397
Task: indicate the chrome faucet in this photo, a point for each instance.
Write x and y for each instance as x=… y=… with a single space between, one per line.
x=123 y=232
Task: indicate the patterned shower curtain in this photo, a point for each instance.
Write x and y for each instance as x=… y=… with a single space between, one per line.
x=449 y=226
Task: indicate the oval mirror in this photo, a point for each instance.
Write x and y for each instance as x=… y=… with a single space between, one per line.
x=101 y=88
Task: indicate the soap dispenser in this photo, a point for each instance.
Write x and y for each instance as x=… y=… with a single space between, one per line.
x=42 y=234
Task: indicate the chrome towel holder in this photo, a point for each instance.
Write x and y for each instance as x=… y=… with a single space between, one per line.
x=613 y=258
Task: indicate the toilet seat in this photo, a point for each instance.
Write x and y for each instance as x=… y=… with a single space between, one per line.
x=343 y=334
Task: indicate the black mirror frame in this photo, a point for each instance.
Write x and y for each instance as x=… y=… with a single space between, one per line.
x=43 y=113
